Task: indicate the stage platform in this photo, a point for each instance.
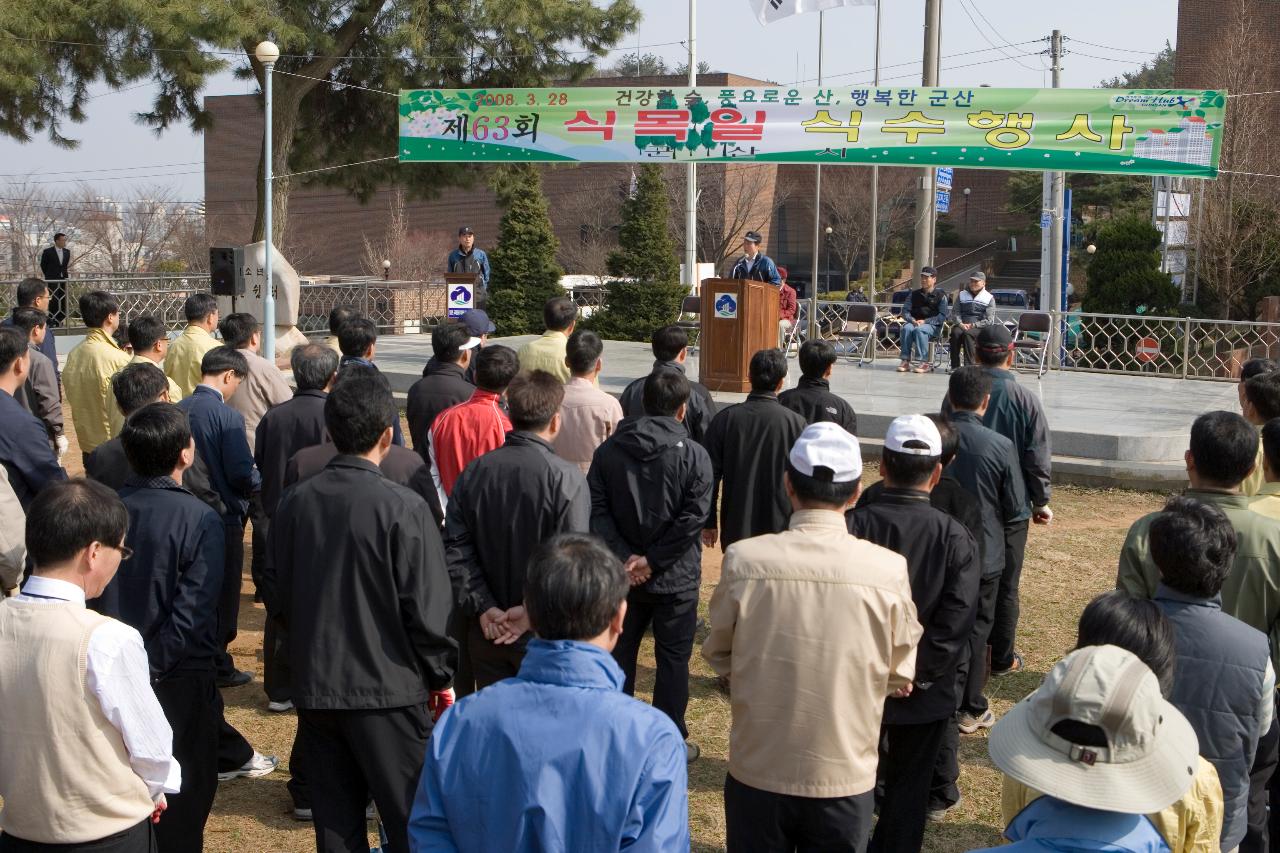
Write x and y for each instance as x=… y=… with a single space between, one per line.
x=1128 y=431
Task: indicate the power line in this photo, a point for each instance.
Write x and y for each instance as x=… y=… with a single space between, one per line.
x=964 y=7
x=902 y=65
x=114 y=169
x=1151 y=53
x=1103 y=58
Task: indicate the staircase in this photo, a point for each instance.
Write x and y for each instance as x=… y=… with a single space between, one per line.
x=1018 y=274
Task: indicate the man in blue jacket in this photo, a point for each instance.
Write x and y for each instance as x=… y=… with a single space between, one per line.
x=923 y=314
x=25 y=450
x=222 y=443
x=581 y=766
x=467 y=258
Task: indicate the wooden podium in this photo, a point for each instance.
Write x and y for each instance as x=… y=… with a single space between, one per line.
x=739 y=317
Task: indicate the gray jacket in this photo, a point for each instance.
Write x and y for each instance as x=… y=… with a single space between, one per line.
x=13 y=543
x=40 y=394
x=1225 y=686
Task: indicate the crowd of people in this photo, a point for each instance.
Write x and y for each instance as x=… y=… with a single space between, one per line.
x=457 y=623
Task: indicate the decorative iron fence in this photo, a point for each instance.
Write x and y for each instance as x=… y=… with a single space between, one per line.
x=1174 y=347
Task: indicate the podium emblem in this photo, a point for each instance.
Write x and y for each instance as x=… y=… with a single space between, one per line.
x=461 y=300
x=726 y=306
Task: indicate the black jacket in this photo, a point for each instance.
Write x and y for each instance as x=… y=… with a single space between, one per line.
x=357 y=576
x=944 y=569
x=401 y=466
x=650 y=495
x=504 y=505
x=812 y=400
x=987 y=465
x=949 y=497
x=701 y=408
x=283 y=431
x=109 y=466
x=442 y=385
x=53 y=263
x=168 y=590
x=748 y=443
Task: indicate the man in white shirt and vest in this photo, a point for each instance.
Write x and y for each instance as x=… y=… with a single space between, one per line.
x=87 y=756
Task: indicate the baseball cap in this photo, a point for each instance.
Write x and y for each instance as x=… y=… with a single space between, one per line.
x=913 y=428
x=825 y=451
x=995 y=337
x=753 y=236
x=465 y=230
x=929 y=271
x=977 y=275
x=1151 y=754
x=477 y=322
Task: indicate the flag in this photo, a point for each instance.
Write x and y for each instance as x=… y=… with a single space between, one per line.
x=769 y=11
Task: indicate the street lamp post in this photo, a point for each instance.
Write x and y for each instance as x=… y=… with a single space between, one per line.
x=966 y=213
x=267 y=53
x=826 y=276
x=386 y=270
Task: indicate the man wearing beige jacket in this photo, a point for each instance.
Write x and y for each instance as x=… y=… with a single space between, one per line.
x=817 y=627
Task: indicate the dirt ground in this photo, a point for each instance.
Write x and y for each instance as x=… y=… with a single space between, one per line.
x=1067 y=564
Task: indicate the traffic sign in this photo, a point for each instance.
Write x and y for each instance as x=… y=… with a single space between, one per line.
x=942 y=200
x=945 y=175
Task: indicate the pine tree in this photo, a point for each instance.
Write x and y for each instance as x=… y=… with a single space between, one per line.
x=650 y=295
x=525 y=274
x=1124 y=275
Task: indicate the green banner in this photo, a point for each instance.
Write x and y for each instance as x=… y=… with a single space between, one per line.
x=1136 y=132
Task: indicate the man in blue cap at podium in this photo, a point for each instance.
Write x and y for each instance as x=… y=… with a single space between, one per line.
x=754 y=264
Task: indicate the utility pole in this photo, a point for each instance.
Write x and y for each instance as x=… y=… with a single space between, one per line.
x=872 y=259
x=1056 y=284
x=926 y=194
x=691 y=177
x=817 y=214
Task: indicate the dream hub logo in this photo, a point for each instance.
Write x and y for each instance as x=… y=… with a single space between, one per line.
x=461 y=295
x=1171 y=101
x=726 y=306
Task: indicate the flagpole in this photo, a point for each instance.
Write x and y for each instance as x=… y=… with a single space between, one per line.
x=691 y=176
x=873 y=278
x=817 y=213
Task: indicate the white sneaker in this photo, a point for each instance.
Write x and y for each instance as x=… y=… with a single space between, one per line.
x=258 y=765
x=280 y=707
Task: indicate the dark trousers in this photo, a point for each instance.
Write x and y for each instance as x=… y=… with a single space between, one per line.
x=229 y=596
x=944 y=792
x=975 y=678
x=908 y=754
x=674 y=618
x=233 y=750
x=277 y=672
x=194 y=710
x=140 y=838
x=966 y=341
x=378 y=752
x=464 y=679
x=1005 y=626
x=259 y=541
x=491 y=663
x=764 y=822
x=1262 y=780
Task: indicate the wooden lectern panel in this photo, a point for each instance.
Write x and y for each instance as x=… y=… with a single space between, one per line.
x=739 y=317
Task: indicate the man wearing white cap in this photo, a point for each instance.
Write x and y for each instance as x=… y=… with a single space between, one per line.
x=802 y=750
x=1105 y=748
x=944 y=568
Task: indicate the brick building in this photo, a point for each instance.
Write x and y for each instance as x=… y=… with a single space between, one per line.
x=327 y=227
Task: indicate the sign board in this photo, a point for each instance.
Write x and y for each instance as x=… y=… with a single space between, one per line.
x=1122 y=131
x=945 y=175
x=461 y=299
x=726 y=305
x=1046 y=220
x=942 y=200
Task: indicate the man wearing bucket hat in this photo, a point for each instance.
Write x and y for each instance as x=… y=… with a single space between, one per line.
x=802 y=750
x=754 y=264
x=1105 y=748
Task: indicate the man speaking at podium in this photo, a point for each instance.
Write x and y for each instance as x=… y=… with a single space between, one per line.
x=754 y=264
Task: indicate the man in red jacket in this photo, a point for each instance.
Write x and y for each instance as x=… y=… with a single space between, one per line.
x=471 y=429
x=787 y=306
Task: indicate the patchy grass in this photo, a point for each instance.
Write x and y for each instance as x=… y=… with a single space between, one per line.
x=1067 y=564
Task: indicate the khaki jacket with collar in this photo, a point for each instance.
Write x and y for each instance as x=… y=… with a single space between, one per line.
x=546 y=353
x=182 y=363
x=175 y=393
x=815 y=629
x=87 y=379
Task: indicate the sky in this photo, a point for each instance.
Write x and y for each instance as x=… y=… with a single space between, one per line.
x=990 y=42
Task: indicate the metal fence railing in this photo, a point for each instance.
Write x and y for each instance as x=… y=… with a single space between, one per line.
x=398 y=307
x=1174 y=347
